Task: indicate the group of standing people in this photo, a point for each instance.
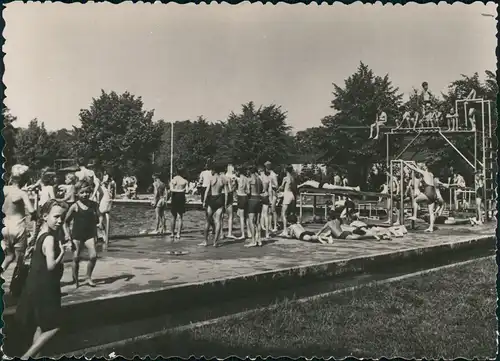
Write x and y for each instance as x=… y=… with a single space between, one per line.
x=58 y=225
x=255 y=192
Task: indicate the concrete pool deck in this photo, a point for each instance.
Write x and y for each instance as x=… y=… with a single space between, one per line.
x=141 y=288
x=142 y=265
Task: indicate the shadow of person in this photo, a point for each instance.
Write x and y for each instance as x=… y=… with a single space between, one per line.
x=108 y=280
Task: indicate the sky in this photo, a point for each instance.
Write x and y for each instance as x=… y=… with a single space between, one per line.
x=191 y=60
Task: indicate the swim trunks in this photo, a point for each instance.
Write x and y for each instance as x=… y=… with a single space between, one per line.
x=15 y=236
x=304 y=234
x=265 y=201
x=178 y=203
x=288 y=198
x=344 y=235
x=215 y=202
x=162 y=204
x=430 y=193
x=254 y=204
x=230 y=199
x=242 y=202
x=480 y=192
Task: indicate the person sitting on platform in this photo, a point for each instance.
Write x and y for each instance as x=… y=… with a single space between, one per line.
x=452 y=120
x=428 y=116
x=405 y=119
x=381 y=119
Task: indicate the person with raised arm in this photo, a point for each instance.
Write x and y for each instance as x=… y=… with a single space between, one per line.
x=428 y=196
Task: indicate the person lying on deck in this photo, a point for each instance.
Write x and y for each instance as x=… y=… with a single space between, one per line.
x=334 y=228
x=297 y=231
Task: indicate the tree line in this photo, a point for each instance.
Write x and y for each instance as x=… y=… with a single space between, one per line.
x=123 y=138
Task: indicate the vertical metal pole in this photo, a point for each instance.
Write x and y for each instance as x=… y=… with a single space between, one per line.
x=387 y=150
x=466 y=119
x=492 y=177
x=483 y=148
x=402 y=205
x=300 y=211
x=413 y=196
x=171 y=150
x=391 y=168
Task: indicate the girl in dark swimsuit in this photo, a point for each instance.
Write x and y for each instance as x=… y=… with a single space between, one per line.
x=40 y=302
x=85 y=216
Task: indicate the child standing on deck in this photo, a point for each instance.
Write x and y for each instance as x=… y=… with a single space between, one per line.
x=85 y=216
x=40 y=302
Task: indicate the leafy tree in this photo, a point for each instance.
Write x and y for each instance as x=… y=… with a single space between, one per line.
x=256 y=136
x=195 y=144
x=356 y=105
x=9 y=137
x=34 y=146
x=119 y=134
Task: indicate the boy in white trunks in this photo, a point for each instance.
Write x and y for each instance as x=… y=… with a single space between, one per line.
x=273 y=196
x=288 y=185
x=267 y=190
x=242 y=192
x=231 y=188
x=178 y=188
x=16 y=204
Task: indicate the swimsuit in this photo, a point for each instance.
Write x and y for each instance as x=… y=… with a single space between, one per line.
x=254 y=204
x=230 y=199
x=215 y=202
x=304 y=234
x=288 y=198
x=84 y=222
x=430 y=192
x=480 y=192
x=243 y=202
x=178 y=203
x=265 y=200
x=344 y=235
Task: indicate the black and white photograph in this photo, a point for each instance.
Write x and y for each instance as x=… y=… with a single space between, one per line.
x=250 y=179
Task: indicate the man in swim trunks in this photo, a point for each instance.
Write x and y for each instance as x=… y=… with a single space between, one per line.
x=267 y=190
x=273 y=196
x=178 y=188
x=242 y=192
x=452 y=120
x=215 y=201
x=231 y=187
x=160 y=204
x=429 y=195
x=254 y=206
x=288 y=186
x=89 y=176
x=15 y=232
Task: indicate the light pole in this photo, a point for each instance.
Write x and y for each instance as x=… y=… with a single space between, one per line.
x=171 y=150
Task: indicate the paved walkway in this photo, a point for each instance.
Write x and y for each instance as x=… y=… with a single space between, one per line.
x=141 y=264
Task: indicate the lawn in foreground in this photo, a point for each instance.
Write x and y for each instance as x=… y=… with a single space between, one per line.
x=449 y=313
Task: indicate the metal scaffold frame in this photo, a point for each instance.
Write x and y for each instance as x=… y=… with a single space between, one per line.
x=485 y=152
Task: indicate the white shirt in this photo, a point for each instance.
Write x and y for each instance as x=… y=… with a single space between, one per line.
x=205 y=177
x=85 y=174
